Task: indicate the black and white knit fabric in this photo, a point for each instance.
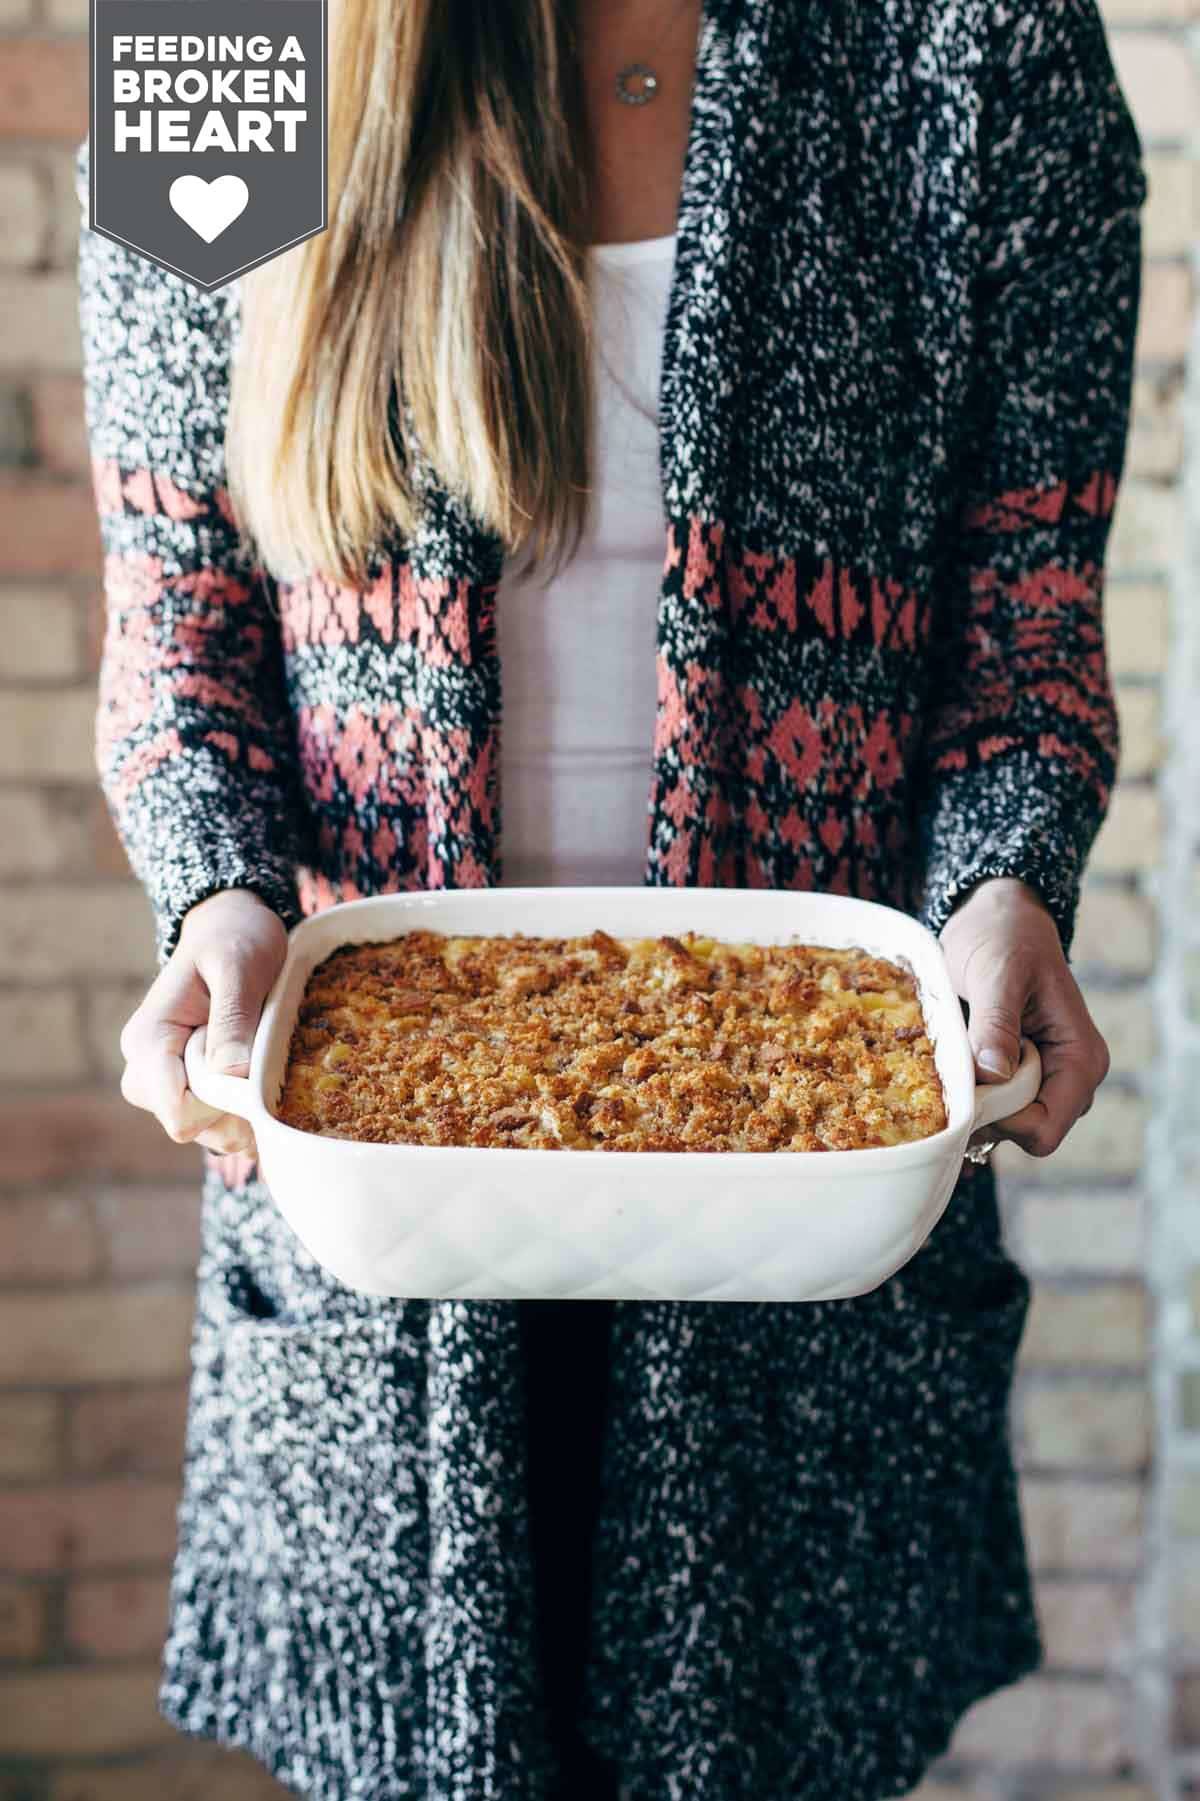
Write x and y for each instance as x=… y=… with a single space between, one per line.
x=895 y=389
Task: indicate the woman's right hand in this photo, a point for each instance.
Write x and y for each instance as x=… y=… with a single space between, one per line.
x=230 y=949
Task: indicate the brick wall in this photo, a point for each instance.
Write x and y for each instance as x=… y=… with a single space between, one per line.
x=98 y=1211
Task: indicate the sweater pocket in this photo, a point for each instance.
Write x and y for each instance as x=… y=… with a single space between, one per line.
x=350 y=1541
x=325 y=1432
x=900 y=1588
x=300 y=1581
x=325 y=1501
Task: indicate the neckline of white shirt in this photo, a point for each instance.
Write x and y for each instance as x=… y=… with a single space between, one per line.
x=635 y=250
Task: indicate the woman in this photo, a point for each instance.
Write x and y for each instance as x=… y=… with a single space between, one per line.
x=896 y=336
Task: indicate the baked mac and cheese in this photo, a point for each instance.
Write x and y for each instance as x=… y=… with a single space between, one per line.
x=594 y=1043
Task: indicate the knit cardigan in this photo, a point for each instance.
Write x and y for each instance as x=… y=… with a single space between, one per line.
x=894 y=400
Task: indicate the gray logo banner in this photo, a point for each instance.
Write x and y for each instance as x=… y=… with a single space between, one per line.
x=208 y=130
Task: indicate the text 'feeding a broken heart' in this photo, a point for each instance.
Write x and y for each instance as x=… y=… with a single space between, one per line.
x=207 y=144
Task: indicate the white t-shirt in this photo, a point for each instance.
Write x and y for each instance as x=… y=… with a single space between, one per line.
x=577 y=656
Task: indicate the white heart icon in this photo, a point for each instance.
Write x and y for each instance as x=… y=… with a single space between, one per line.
x=209 y=207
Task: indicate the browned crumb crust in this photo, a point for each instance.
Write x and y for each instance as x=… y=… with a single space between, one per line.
x=668 y=1044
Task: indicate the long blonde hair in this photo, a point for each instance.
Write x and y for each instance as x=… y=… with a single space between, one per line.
x=452 y=273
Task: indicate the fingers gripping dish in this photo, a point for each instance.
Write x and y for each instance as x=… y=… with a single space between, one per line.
x=684 y=1043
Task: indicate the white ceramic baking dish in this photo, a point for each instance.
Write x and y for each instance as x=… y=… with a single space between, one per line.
x=444 y=1222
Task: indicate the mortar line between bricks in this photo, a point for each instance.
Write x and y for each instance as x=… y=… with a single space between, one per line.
x=68 y=1389
x=1095 y=1181
x=1062 y=1279
x=1086 y=1475
x=115 y=884
x=99 y=1287
x=1111 y=1376
x=97 y=1572
x=78 y=1663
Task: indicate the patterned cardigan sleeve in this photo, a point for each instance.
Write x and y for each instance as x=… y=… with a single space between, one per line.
x=1021 y=737
x=193 y=736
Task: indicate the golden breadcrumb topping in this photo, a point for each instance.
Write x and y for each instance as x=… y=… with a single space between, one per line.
x=654 y=1044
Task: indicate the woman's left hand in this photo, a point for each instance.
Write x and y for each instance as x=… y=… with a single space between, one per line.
x=1007 y=962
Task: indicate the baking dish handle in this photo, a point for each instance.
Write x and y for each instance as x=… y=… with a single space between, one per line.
x=231 y=1094
x=995 y=1101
